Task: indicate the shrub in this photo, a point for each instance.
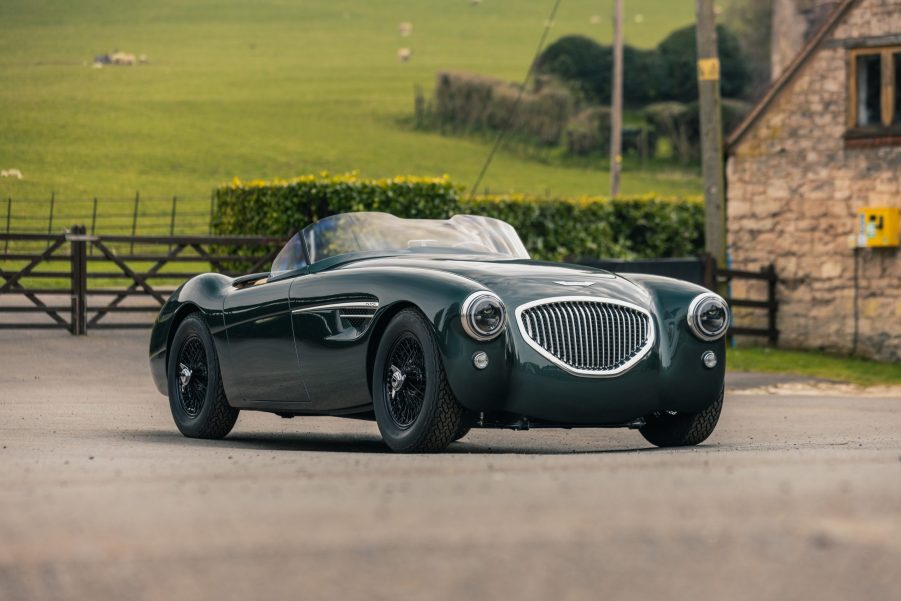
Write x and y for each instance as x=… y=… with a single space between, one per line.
x=665 y=73
x=551 y=228
x=677 y=55
x=589 y=131
x=470 y=102
x=681 y=123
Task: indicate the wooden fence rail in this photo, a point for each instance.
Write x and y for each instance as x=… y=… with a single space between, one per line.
x=87 y=306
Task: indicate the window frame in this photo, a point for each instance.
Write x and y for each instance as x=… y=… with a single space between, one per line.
x=887 y=92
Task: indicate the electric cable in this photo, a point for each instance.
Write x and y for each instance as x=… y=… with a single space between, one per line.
x=503 y=133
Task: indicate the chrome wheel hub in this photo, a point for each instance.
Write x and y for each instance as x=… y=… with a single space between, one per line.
x=184 y=375
x=397 y=380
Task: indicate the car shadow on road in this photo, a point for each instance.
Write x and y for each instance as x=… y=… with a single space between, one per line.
x=351 y=442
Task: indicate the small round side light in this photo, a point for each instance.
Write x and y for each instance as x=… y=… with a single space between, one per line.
x=709 y=359
x=480 y=360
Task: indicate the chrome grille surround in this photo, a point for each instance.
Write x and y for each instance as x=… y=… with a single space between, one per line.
x=587 y=335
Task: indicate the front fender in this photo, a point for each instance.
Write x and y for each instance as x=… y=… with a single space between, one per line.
x=202 y=294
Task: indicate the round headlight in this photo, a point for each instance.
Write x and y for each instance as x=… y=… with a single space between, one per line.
x=708 y=316
x=483 y=315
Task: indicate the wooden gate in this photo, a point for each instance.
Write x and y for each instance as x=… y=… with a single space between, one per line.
x=31 y=282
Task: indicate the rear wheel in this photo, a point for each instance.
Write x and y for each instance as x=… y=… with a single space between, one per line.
x=196 y=396
x=682 y=429
x=415 y=409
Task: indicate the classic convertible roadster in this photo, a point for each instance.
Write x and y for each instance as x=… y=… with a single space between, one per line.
x=433 y=327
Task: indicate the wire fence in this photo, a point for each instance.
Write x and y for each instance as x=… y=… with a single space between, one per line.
x=135 y=216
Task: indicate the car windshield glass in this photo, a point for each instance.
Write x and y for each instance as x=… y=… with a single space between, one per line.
x=367 y=232
x=290 y=257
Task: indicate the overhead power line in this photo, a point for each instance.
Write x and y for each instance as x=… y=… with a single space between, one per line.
x=504 y=130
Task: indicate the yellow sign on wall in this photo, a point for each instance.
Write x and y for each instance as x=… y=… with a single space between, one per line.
x=877 y=227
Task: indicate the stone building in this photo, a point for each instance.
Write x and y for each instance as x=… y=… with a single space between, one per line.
x=824 y=141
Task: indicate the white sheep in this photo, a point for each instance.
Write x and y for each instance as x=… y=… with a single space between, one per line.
x=404 y=54
x=405 y=29
x=11 y=173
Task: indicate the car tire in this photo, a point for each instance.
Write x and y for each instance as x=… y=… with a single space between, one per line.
x=682 y=429
x=462 y=431
x=196 y=396
x=415 y=409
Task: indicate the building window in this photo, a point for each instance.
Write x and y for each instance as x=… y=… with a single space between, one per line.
x=875 y=101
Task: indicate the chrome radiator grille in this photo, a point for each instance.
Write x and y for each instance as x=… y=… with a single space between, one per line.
x=594 y=337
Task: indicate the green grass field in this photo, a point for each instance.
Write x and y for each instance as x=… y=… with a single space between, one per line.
x=271 y=88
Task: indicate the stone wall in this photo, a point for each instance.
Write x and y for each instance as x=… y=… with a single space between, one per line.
x=793 y=192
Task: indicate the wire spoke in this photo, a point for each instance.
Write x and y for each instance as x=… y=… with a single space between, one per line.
x=405 y=398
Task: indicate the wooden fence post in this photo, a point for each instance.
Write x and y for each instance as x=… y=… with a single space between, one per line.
x=9 y=212
x=78 y=258
x=773 y=307
x=134 y=222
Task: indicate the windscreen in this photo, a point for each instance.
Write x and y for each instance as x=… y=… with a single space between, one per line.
x=367 y=232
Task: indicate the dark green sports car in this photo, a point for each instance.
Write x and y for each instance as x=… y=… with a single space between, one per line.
x=434 y=327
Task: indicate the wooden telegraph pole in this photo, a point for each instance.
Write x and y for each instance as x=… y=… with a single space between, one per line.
x=616 y=115
x=711 y=132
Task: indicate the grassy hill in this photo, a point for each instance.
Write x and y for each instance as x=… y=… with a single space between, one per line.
x=271 y=88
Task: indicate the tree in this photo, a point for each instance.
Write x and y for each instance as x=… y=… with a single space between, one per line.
x=751 y=21
x=677 y=71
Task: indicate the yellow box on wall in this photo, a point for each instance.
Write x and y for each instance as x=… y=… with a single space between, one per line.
x=877 y=227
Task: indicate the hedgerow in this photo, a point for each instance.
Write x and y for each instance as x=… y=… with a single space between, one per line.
x=551 y=228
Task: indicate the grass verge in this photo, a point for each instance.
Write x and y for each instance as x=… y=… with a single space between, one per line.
x=862 y=372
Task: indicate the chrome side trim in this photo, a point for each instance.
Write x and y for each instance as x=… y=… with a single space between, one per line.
x=525 y=328
x=330 y=306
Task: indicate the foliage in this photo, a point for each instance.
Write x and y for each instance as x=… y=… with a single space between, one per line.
x=471 y=102
x=855 y=370
x=676 y=73
x=589 y=131
x=666 y=73
x=752 y=23
x=551 y=228
x=681 y=125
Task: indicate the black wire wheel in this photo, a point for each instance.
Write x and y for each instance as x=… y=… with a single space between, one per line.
x=405 y=380
x=415 y=409
x=196 y=396
x=192 y=376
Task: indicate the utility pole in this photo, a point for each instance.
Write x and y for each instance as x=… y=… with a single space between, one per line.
x=616 y=115
x=711 y=132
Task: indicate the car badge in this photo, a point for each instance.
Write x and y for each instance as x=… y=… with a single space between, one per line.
x=582 y=284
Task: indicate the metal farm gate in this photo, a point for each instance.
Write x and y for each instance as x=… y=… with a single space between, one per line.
x=45 y=281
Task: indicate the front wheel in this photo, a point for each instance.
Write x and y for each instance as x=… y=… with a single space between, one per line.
x=682 y=429
x=196 y=396
x=415 y=409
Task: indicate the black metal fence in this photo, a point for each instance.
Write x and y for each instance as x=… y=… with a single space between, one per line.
x=704 y=271
x=78 y=298
x=137 y=215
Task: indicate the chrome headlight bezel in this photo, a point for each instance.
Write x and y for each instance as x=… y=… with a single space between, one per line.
x=694 y=322
x=467 y=315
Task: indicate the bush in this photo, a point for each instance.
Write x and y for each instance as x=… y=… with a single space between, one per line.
x=665 y=73
x=589 y=131
x=677 y=56
x=681 y=123
x=551 y=228
x=470 y=102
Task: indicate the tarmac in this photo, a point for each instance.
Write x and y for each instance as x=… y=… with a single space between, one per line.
x=795 y=496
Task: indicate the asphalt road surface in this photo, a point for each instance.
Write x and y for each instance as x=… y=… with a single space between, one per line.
x=794 y=497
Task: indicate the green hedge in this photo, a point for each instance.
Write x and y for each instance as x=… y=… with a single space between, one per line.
x=551 y=228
